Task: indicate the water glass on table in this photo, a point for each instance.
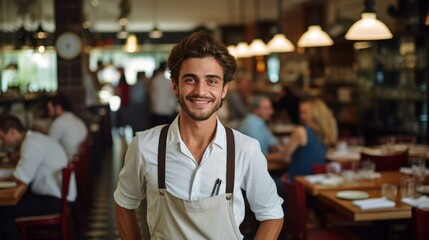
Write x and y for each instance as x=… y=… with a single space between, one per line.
x=368 y=169
x=408 y=187
x=389 y=191
x=418 y=168
x=348 y=176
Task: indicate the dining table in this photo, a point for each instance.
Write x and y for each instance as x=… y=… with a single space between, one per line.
x=351 y=153
x=12 y=195
x=315 y=189
x=10 y=192
x=399 y=211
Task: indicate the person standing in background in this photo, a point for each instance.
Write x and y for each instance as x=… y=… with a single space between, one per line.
x=163 y=101
x=123 y=90
x=68 y=129
x=288 y=103
x=139 y=103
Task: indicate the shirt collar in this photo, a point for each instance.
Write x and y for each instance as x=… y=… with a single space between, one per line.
x=219 y=138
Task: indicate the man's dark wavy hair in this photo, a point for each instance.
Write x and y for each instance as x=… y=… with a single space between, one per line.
x=200 y=45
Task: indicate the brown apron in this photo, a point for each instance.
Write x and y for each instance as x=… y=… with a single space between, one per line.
x=209 y=218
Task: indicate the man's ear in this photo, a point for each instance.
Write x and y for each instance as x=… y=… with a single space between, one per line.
x=175 y=87
x=225 y=90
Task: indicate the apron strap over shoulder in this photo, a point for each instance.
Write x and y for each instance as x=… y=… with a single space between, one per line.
x=230 y=158
x=161 y=156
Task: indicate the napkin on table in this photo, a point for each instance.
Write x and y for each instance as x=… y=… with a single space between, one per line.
x=420 y=202
x=315 y=178
x=408 y=170
x=373 y=203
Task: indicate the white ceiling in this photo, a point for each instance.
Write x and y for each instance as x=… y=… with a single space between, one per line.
x=172 y=15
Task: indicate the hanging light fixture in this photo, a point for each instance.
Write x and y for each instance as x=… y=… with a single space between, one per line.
x=155 y=33
x=315 y=36
x=242 y=49
x=279 y=43
x=40 y=33
x=131 y=44
x=368 y=27
x=123 y=33
x=232 y=50
x=257 y=46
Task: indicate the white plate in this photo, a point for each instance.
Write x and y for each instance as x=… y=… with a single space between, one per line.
x=352 y=195
x=7 y=184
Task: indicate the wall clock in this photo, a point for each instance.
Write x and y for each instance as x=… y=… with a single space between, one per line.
x=69 y=45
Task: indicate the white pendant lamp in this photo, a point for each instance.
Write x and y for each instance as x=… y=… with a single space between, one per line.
x=315 y=36
x=258 y=48
x=368 y=27
x=131 y=44
x=232 y=50
x=242 y=50
x=279 y=43
x=155 y=33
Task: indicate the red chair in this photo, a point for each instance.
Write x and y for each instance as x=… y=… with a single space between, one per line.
x=296 y=211
x=318 y=168
x=60 y=219
x=387 y=162
x=82 y=163
x=420 y=223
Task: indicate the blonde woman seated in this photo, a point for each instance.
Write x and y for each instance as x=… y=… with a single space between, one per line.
x=309 y=143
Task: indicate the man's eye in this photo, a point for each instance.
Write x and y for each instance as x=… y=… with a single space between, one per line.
x=212 y=81
x=189 y=80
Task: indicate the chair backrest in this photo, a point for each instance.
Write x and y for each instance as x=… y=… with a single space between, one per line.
x=387 y=162
x=420 y=223
x=318 y=168
x=396 y=138
x=296 y=208
x=67 y=171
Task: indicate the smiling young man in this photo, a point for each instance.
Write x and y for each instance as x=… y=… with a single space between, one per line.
x=191 y=172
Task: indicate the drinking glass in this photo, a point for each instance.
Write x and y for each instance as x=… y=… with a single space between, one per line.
x=389 y=191
x=408 y=187
x=418 y=169
x=368 y=169
x=348 y=176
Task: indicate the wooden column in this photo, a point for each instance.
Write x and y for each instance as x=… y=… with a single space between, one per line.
x=68 y=18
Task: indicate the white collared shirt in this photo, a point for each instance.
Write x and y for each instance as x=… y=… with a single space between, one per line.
x=70 y=131
x=40 y=166
x=187 y=180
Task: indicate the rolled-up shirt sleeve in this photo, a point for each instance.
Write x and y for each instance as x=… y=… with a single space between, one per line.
x=261 y=191
x=130 y=189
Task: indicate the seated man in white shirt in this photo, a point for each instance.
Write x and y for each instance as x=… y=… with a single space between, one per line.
x=39 y=168
x=69 y=130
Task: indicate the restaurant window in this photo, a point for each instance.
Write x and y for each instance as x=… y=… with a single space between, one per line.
x=26 y=71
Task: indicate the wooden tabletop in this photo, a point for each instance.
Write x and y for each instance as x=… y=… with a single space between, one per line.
x=11 y=196
x=386 y=177
x=400 y=211
x=352 y=153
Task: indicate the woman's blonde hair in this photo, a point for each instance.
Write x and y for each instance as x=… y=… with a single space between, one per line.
x=322 y=121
